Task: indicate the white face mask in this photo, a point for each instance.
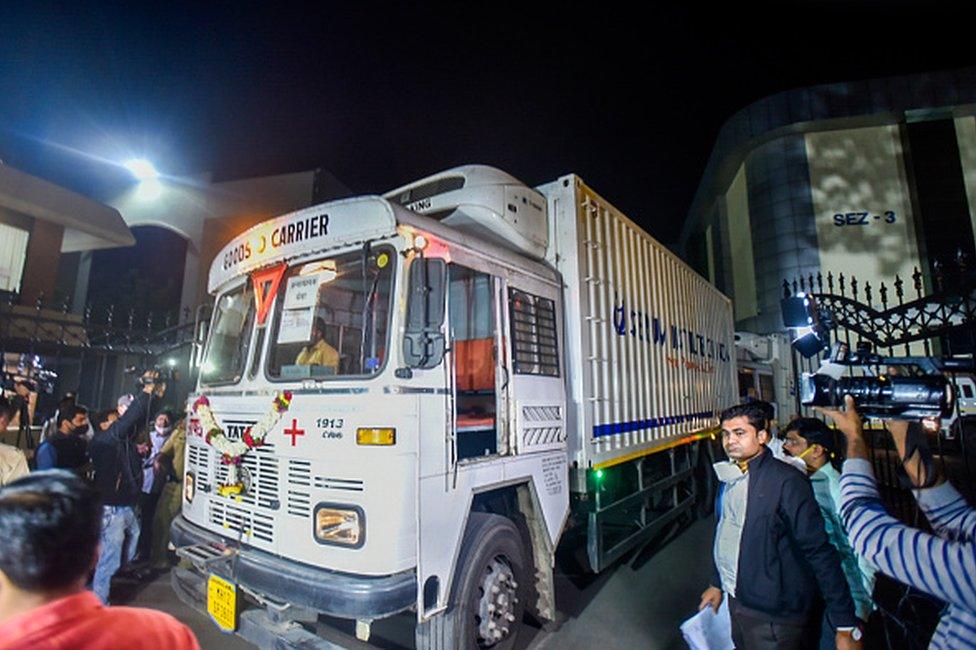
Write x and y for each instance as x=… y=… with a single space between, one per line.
x=163 y=431
x=727 y=471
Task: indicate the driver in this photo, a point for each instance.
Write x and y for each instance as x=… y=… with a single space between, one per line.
x=318 y=352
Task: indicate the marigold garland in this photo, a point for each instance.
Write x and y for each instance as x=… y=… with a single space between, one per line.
x=231 y=451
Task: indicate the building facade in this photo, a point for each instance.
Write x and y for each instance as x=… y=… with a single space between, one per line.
x=872 y=179
x=40 y=221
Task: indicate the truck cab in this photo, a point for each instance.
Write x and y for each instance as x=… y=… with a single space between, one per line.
x=368 y=372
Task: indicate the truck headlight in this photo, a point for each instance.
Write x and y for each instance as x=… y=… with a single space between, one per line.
x=343 y=525
x=189 y=487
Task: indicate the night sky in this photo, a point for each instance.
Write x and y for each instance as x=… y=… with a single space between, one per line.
x=381 y=95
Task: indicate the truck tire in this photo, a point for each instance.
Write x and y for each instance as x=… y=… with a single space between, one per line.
x=488 y=597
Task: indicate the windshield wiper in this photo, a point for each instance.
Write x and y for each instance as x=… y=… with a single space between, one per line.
x=369 y=309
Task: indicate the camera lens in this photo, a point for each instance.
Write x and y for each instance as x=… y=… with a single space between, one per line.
x=908 y=397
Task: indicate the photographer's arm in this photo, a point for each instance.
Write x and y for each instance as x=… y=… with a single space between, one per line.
x=127 y=426
x=948 y=512
x=926 y=562
x=849 y=423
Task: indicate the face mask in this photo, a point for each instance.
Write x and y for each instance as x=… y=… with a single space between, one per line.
x=798 y=460
x=163 y=431
x=727 y=471
x=805 y=452
x=80 y=431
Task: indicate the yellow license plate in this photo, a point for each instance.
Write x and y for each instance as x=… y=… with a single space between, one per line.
x=222 y=603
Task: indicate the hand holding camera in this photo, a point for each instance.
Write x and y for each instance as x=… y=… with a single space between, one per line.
x=153 y=382
x=909 y=442
x=849 y=423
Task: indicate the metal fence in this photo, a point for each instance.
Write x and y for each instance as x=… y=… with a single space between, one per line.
x=88 y=352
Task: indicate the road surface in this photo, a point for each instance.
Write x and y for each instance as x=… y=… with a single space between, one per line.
x=638 y=603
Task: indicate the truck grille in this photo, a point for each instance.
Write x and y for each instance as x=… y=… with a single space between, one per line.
x=263 y=468
x=300 y=476
x=331 y=483
x=198 y=459
x=243 y=521
x=253 y=512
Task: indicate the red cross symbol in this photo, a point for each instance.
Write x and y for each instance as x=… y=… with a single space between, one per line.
x=294 y=431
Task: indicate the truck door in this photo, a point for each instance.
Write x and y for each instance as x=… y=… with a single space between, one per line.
x=479 y=365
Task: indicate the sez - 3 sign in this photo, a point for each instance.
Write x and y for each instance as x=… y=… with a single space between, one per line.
x=842 y=219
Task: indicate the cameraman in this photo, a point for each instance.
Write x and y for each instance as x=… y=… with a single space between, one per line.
x=118 y=478
x=942 y=564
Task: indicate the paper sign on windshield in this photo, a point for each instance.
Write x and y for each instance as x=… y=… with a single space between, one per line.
x=302 y=291
x=296 y=325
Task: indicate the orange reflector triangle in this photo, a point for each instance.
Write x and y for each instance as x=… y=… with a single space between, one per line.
x=266 y=283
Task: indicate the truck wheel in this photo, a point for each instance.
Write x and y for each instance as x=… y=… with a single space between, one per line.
x=488 y=597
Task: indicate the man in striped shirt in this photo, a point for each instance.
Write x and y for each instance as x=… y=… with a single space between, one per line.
x=941 y=564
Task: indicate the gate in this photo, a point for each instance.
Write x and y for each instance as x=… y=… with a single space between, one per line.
x=89 y=353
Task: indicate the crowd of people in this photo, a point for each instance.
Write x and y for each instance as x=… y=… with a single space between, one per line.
x=796 y=553
x=132 y=455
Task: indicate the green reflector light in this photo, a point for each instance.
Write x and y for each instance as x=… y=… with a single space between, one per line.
x=599 y=475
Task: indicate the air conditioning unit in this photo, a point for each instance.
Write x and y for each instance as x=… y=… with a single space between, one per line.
x=482 y=201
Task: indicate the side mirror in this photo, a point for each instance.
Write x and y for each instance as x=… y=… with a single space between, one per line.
x=200 y=337
x=423 y=338
x=201 y=327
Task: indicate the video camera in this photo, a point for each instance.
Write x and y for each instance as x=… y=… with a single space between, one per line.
x=164 y=375
x=894 y=393
x=43 y=381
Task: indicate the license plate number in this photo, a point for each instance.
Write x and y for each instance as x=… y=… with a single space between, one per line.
x=222 y=603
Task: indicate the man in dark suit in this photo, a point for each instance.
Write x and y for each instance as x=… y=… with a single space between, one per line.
x=771 y=554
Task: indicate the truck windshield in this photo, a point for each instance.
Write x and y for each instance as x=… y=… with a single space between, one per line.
x=332 y=316
x=233 y=316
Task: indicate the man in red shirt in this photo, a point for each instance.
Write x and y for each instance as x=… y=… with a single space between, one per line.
x=49 y=531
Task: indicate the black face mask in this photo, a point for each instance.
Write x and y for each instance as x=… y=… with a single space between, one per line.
x=80 y=431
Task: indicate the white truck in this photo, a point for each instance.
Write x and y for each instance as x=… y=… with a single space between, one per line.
x=407 y=401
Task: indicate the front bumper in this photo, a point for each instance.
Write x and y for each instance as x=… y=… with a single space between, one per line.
x=336 y=594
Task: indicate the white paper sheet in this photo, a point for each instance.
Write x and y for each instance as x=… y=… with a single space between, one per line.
x=707 y=630
x=296 y=325
x=302 y=291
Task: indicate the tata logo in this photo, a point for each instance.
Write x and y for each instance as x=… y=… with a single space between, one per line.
x=234 y=429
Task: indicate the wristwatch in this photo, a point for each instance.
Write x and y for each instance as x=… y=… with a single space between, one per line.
x=855 y=632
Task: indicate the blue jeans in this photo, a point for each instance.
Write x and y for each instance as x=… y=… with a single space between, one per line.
x=120 y=531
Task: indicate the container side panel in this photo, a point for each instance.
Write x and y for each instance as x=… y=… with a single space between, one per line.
x=655 y=339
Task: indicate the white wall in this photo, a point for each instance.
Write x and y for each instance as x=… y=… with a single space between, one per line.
x=857 y=171
x=966 y=138
x=740 y=247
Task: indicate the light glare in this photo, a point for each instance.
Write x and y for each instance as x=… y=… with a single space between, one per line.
x=142 y=169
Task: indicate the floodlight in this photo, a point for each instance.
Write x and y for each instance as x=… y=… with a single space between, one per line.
x=798 y=311
x=803 y=318
x=142 y=169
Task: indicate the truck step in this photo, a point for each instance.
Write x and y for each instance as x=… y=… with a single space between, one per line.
x=204 y=556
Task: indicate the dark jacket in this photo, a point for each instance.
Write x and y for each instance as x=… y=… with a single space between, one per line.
x=786 y=561
x=63 y=451
x=118 y=466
